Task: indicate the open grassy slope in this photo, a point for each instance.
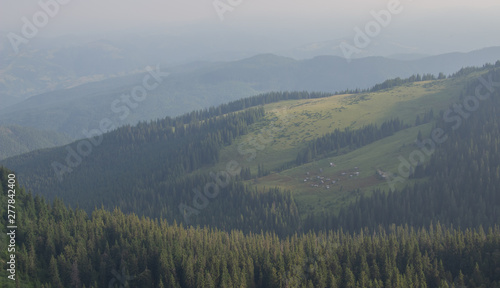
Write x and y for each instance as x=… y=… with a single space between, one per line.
x=290 y=124
x=318 y=185
x=269 y=149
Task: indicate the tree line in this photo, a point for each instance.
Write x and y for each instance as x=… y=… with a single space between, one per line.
x=348 y=138
x=63 y=247
x=459 y=183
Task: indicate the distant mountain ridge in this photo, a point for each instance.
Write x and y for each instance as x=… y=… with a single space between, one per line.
x=49 y=64
x=200 y=85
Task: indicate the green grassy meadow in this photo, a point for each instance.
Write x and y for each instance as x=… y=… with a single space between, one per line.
x=290 y=124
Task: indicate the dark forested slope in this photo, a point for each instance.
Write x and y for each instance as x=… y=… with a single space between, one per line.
x=61 y=247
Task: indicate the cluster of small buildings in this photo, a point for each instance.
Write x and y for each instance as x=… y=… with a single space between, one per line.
x=322 y=181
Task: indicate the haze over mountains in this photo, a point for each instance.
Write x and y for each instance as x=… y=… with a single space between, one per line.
x=202 y=84
x=86 y=82
x=233 y=143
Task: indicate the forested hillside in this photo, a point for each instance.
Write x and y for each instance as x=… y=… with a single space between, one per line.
x=162 y=169
x=462 y=174
x=16 y=140
x=249 y=144
x=178 y=223
x=147 y=169
x=61 y=247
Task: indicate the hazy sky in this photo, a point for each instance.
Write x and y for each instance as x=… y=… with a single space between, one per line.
x=311 y=20
x=121 y=14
